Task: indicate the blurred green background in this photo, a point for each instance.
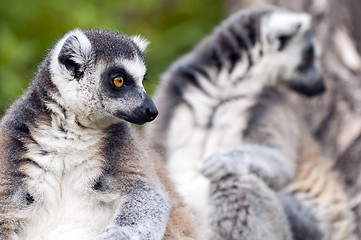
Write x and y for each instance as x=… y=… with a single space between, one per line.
x=28 y=28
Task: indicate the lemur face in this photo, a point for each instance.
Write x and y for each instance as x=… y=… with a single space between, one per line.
x=122 y=93
x=288 y=40
x=101 y=75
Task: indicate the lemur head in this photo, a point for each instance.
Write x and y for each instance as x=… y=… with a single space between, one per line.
x=100 y=77
x=288 y=45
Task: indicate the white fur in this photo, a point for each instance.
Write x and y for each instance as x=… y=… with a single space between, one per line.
x=66 y=206
x=347 y=50
x=285 y=62
x=142 y=43
x=136 y=67
x=82 y=48
x=82 y=97
x=277 y=65
x=280 y=23
x=78 y=97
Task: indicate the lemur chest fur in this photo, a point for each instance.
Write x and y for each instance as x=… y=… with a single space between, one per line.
x=67 y=164
x=200 y=127
x=205 y=124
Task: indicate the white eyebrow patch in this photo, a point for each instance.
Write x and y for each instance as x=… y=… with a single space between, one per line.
x=136 y=67
x=284 y=21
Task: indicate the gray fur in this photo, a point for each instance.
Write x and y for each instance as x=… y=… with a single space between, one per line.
x=245 y=208
x=302 y=220
x=109 y=45
x=132 y=218
x=271 y=166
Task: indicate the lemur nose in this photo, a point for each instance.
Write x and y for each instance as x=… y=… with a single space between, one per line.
x=152 y=112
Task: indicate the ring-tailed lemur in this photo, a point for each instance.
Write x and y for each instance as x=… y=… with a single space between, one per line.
x=72 y=167
x=222 y=111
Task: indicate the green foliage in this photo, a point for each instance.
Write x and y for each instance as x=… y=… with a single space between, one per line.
x=29 y=28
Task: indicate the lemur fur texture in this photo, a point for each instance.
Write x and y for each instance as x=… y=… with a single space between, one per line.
x=72 y=166
x=234 y=144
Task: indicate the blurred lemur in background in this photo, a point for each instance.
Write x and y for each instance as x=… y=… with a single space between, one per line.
x=236 y=147
x=72 y=167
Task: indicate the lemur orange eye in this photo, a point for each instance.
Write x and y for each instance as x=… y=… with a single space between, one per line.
x=118 y=82
x=143 y=82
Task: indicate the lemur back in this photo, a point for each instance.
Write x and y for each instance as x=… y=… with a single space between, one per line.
x=207 y=123
x=72 y=165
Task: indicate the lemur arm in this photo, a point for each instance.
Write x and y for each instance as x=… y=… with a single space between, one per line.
x=267 y=163
x=13 y=201
x=14 y=197
x=271 y=145
x=144 y=215
x=145 y=208
x=8 y=226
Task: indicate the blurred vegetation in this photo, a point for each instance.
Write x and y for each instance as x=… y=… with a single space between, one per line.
x=29 y=28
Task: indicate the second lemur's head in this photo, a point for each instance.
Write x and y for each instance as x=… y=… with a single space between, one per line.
x=290 y=52
x=99 y=76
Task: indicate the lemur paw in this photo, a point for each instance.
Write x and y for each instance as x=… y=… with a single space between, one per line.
x=266 y=163
x=223 y=163
x=114 y=232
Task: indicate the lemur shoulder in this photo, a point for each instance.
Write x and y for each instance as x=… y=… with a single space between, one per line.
x=234 y=144
x=72 y=166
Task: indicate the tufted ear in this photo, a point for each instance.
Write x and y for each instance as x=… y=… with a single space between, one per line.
x=142 y=43
x=75 y=53
x=281 y=27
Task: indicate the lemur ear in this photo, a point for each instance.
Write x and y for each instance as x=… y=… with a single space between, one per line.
x=75 y=53
x=142 y=43
x=280 y=27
